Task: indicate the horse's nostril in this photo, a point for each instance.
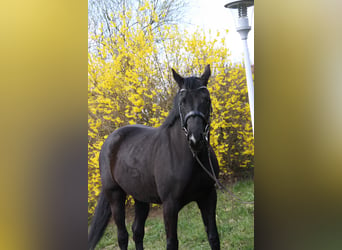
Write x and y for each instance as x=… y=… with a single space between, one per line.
x=192 y=140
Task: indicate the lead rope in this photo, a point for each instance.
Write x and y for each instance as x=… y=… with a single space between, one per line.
x=212 y=176
x=207 y=130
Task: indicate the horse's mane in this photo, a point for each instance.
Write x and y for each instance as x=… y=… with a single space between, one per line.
x=189 y=83
x=173 y=115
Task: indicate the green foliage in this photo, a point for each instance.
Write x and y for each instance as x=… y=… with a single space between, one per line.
x=232 y=135
x=129 y=82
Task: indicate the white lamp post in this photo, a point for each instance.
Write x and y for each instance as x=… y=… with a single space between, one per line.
x=239 y=9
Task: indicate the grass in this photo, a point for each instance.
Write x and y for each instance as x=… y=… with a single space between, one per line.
x=235 y=222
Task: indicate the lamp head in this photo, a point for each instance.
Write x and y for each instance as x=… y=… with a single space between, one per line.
x=241 y=5
x=240 y=14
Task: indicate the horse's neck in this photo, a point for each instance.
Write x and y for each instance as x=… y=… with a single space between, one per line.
x=176 y=135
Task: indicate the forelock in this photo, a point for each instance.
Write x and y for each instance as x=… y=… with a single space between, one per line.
x=192 y=82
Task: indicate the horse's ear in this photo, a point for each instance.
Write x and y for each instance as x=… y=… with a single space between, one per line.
x=206 y=74
x=178 y=78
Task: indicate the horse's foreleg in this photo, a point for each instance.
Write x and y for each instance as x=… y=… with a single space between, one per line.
x=207 y=205
x=141 y=213
x=170 y=212
x=117 y=203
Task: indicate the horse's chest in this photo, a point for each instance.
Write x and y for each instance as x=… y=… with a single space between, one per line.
x=182 y=181
x=199 y=181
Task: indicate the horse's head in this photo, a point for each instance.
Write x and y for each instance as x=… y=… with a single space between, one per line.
x=194 y=108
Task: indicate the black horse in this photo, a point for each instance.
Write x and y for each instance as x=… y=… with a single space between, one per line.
x=159 y=165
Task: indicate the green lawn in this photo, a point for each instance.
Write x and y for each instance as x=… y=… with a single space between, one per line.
x=235 y=223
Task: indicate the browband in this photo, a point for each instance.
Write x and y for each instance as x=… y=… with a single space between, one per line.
x=202 y=87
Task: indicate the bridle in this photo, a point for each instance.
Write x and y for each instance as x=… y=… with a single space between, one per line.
x=211 y=173
x=194 y=113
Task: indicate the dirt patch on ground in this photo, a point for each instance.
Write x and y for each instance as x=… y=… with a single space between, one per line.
x=155 y=212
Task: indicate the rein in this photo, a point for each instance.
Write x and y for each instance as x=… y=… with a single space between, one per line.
x=206 y=136
x=218 y=183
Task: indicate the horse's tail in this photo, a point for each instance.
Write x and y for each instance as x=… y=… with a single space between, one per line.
x=99 y=221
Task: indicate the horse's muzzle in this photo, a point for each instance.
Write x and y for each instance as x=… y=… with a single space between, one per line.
x=197 y=143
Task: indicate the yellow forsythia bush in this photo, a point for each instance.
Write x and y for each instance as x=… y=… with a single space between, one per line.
x=129 y=82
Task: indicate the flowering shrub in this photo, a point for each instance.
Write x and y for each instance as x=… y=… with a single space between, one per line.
x=129 y=82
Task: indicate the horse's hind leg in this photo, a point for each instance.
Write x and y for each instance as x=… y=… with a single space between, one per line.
x=138 y=227
x=117 y=198
x=207 y=205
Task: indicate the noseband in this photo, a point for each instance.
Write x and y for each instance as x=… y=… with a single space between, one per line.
x=194 y=113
